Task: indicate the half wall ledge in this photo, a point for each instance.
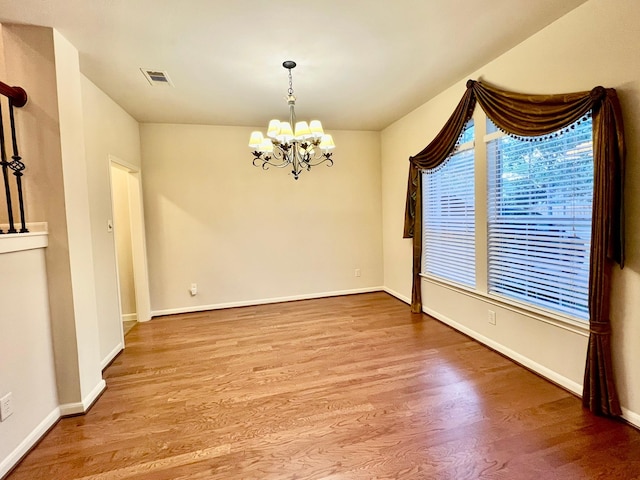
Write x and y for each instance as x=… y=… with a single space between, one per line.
x=37 y=237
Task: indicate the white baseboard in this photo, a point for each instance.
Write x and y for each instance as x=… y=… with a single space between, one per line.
x=110 y=356
x=76 y=408
x=263 y=301
x=129 y=317
x=551 y=375
x=34 y=437
x=399 y=296
x=632 y=417
x=43 y=427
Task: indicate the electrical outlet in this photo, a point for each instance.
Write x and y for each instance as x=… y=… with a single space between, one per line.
x=491 y=316
x=6 y=407
x=194 y=289
x=357 y=272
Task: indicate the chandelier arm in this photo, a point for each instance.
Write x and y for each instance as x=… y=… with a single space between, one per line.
x=264 y=161
x=271 y=164
x=297 y=149
x=326 y=157
x=296 y=160
x=316 y=156
x=280 y=153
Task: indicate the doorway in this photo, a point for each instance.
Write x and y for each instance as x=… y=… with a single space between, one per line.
x=129 y=242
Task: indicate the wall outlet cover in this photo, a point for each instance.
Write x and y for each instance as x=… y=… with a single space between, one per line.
x=6 y=407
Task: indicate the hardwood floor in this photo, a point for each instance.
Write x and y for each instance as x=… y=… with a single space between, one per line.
x=342 y=388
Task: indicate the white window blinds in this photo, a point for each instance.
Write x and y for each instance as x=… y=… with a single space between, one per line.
x=449 y=217
x=539 y=219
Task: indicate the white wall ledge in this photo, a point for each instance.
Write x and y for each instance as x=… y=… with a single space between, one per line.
x=37 y=237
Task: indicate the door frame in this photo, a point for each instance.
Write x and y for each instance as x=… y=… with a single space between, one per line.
x=138 y=240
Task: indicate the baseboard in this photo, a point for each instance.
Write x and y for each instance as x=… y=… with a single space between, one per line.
x=129 y=317
x=264 y=301
x=77 y=408
x=110 y=356
x=541 y=370
x=632 y=418
x=399 y=296
x=50 y=420
x=29 y=442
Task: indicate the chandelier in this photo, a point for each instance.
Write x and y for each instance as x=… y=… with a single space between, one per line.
x=302 y=147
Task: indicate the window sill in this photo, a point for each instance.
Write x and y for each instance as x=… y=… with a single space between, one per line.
x=567 y=323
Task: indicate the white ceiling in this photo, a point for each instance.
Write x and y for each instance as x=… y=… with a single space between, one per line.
x=362 y=64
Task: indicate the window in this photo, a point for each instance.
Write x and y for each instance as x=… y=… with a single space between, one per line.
x=539 y=219
x=537 y=215
x=449 y=216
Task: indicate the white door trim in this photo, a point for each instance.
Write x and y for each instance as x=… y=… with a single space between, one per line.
x=138 y=240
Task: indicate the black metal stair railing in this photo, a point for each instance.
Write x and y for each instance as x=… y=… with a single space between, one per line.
x=16 y=98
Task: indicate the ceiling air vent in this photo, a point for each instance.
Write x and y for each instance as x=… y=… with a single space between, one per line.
x=156 y=77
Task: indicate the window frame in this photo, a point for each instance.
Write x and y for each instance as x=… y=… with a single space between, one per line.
x=480 y=291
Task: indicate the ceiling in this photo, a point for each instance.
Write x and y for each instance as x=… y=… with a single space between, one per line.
x=362 y=64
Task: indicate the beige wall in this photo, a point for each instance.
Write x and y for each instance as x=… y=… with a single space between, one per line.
x=109 y=130
x=245 y=235
x=593 y=45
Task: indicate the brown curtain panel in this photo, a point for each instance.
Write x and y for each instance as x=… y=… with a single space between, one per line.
x=532 y=116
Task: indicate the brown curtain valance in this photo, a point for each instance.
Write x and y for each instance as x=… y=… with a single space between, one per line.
x=531 y=116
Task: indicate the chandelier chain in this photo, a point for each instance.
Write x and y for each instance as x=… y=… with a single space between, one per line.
x=290 y=91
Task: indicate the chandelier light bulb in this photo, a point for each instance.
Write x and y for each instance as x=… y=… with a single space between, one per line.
x=299 y=148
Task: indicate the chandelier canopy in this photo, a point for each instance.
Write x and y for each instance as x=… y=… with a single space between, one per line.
x=300 y=145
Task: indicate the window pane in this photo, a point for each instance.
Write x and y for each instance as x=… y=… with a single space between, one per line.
x=491 y=127
x=449 y=220
x=539 y=219
x=467 y=134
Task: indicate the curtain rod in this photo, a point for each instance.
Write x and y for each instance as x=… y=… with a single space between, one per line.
x=17 y=95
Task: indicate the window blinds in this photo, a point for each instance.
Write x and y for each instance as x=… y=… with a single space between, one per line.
x=449 y=219
x=539 y=219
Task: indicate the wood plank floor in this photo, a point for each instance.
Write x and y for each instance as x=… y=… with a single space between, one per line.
x=343 y=388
